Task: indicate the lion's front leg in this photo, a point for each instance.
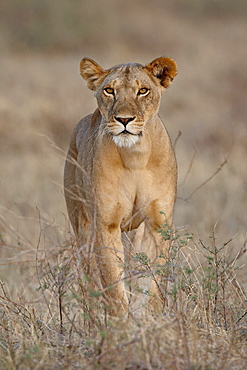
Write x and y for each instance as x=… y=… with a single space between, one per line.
x=155 y=246
x=109 y=252
x=158 y=257
x=150 y=266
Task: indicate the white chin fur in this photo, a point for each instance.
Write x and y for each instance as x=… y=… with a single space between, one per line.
x=126 y=141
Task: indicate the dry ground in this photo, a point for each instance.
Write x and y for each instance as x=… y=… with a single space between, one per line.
x=42 y=97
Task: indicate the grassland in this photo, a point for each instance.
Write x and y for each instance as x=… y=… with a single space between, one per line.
x=49 y=315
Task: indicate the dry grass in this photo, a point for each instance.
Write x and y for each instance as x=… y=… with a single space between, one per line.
x=57 y=319
x=44 y=299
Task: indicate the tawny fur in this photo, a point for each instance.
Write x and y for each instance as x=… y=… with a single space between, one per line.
x=121 y=170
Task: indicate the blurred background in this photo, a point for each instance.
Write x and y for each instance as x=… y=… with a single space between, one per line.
x=42 y=97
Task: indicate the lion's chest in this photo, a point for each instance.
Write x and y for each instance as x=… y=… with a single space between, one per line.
x=126 y=183
x=125 y=196
x=131 y=206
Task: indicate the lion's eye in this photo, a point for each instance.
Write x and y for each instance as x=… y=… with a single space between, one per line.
x=143 y=91
x=109 y=91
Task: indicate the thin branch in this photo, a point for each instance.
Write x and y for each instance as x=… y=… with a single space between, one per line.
x=176 y=140
x=241 y=317
x=206 y=181
x=189 y=169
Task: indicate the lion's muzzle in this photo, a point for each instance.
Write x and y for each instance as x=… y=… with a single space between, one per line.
x=125 y=120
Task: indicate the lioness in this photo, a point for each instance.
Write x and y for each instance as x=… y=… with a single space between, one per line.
x=121 y=171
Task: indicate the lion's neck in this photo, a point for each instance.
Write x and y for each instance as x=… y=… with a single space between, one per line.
x=138 y=155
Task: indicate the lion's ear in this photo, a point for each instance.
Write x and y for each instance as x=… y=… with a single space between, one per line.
x=165 y=69
x=91 y=72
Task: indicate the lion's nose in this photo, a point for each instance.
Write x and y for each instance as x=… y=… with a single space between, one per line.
x=124 y=120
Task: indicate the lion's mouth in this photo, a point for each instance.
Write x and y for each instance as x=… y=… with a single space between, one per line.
x=126 y=139
x=126 y=132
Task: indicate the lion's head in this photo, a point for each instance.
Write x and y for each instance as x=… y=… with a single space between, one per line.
x=128 y=95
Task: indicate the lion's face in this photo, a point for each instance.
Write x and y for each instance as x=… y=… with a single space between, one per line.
x=128 y=95
x=127 y=99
